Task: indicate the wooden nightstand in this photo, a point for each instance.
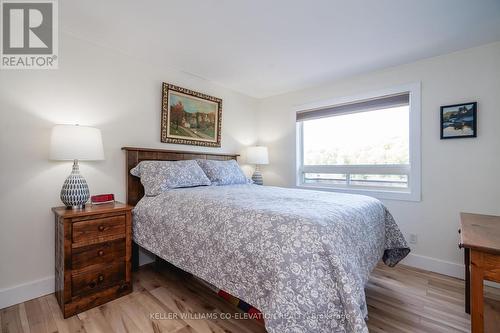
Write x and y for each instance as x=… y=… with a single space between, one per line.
x=93 y=252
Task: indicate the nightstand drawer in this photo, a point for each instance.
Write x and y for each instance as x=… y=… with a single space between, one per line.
x=101 y=253
x=98 y=279
x=91 y=231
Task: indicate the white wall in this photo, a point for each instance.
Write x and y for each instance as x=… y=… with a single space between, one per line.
x=457 y=175
x=94 y=86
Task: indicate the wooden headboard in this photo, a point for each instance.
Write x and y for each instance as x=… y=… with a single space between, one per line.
x=135 y=190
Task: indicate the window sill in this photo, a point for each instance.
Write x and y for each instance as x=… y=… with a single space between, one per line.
x=378 y=194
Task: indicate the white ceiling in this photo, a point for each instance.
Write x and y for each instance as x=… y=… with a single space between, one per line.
x=267 y=47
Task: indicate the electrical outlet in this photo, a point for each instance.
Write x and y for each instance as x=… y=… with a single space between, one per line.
x=413 y=239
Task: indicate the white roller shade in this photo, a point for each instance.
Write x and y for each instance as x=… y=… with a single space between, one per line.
x=384 y=102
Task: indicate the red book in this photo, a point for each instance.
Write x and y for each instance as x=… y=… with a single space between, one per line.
x=102 y=198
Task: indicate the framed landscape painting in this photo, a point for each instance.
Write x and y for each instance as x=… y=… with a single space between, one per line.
x=189 y=117
x=459 y=121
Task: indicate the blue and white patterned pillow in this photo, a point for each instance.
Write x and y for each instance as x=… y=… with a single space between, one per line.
x=159 y=176
x=223 y=172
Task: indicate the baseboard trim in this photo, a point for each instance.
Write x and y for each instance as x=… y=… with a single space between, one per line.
x=435 y=265
x=30 y=290
x=26 y=291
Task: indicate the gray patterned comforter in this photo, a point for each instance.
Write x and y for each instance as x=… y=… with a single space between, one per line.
x=302 y=257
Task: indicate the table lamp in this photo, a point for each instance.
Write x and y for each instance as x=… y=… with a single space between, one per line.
x=259 y=156
x=75 y=143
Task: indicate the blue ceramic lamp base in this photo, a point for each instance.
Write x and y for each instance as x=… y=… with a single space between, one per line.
x=257 y=177
x=75 y=191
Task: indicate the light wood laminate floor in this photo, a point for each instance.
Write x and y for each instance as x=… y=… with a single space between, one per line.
x=400 y=299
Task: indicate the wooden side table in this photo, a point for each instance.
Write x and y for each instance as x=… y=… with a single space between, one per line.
x=480 y=237
x=93 y=252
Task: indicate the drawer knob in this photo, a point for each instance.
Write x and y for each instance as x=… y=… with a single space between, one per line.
x=100 y=253
x=92 y=284
x=100 y=278
x=101 y=227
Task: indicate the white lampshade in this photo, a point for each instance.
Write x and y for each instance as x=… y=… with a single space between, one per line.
x=257 y=155
x=74 y=142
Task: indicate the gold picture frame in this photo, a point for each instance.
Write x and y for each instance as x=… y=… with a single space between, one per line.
x=189 y=117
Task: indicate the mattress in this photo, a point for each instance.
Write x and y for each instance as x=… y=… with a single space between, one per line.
x=302 y=257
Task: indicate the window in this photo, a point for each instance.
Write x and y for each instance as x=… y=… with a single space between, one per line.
x=368 y=145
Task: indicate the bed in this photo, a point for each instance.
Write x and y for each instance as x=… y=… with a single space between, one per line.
x=302 y=257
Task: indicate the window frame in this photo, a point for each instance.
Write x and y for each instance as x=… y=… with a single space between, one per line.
x=412 y=192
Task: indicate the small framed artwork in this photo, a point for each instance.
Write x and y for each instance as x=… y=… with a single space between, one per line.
x=190 y=118
x=459 y=121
